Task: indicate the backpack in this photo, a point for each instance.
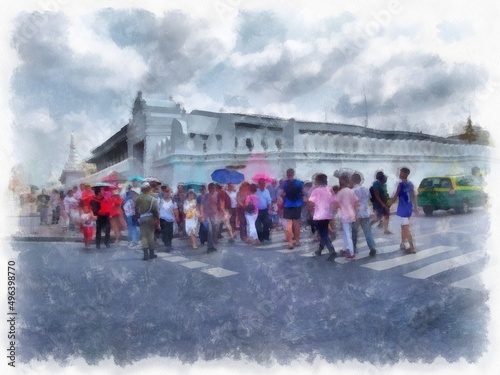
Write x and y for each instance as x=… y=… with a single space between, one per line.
x=372 y=195
x=292 y=191
x=250 y=208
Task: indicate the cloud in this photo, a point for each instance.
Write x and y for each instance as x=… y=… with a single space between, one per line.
x=81 y=72
x=38 y=120
x=256 y=30
x=454 y=31
x=175 y=46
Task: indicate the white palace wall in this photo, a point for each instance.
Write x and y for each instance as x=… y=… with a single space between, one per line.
x=191 y=157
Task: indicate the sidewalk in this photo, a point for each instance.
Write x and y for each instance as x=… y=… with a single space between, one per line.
x=46 y=233
x=24 y=225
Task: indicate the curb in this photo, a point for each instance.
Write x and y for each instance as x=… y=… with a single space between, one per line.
x=43 y=239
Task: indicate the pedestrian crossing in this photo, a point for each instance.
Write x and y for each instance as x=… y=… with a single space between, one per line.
x=445 y=265
x=217 y=272
x=401 y=259
x=386 y=246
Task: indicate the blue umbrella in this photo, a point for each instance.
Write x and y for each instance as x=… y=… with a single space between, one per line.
x=136 y=178
x=227 y=176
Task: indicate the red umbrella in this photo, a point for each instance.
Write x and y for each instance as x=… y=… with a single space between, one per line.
x=262 y=176
x=114 y=178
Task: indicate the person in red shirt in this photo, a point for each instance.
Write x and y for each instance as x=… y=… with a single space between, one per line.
x=87 y=195
x=101 y=209
x=116 y=218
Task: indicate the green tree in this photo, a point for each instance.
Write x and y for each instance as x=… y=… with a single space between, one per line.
x=470 y=134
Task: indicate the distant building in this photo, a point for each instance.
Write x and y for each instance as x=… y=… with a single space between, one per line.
x=73 y=170
x=163 y=141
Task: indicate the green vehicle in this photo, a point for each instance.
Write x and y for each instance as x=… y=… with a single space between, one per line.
x=450 y=192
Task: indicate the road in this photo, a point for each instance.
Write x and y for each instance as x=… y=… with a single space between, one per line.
x=260 y=304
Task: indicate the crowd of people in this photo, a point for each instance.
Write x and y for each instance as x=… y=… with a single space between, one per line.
x=149 y=212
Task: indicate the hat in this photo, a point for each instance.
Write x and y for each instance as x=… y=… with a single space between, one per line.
x=145 y=185
x=136 y=190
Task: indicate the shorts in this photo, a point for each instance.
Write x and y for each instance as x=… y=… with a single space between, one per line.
x=380 y=211
x=292 y=213
x=404 y=220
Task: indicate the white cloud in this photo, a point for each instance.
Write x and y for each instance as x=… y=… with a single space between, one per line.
x=121 y=65
x=38 y=119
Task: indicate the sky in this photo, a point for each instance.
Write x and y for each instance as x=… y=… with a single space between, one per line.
x=77 y=69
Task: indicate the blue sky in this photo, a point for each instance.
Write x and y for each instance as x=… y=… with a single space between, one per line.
x=73 y=69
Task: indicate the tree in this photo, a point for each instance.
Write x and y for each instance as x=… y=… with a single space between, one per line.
x=470 y=134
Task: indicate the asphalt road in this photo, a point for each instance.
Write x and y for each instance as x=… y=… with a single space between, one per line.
x=260 y=304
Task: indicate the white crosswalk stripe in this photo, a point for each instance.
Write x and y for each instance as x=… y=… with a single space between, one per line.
x=408 y=258
x=219 y=272
x=445 y=265
x=473 y=283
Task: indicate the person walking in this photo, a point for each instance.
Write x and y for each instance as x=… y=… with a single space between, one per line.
x=209 y=216
x=55 y=199
x=169 y=213
x=293 y=191
x=116 y=214
x=231 y=192
x=223 y=212
x=191 y=213
x=273 y=192
x=263 y=222
x=347 y=202
x=131 y=218
x=241 y=197
x=147 y=208
x=202 y=231
x=380 y=199
x=407 y=204
x=179 y=199
x=251 y=212
x=71 y=210
x=363 y=216
x=101 y=208
x=88 y=220
x=321 y=201
x=42 y=201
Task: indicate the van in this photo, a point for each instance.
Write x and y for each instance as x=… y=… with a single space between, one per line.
x=450 y=192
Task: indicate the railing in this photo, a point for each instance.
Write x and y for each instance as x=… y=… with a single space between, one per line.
x=324 y=143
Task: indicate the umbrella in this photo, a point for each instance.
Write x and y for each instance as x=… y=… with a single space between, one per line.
x=152 y=180
x=114 y=177
x=136 y=178
x=227 y=176
x=263 y=176
x=105 y=185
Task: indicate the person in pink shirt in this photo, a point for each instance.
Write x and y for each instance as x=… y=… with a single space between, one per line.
x=347 y=202
x=321 y=201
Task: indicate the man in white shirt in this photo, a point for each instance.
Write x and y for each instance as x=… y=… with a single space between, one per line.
x=168 y=213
